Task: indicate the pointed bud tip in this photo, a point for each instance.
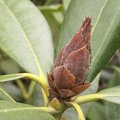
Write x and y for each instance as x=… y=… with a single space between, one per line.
x=86 y=22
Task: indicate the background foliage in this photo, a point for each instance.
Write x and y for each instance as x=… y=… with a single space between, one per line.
x=31 y=35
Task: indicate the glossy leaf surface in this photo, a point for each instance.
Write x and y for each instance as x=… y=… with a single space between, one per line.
x=25 y=35
x=17 y=111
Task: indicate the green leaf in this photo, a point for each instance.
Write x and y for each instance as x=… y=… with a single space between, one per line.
x=106 y=111
x=25 y=35
x=110 y=107
x=105 y=30
x=11 y=77
x=117 y=69
x=5 y=96
x=53 y=23
x=112 y=111
x=115 y=80
x=17 y=111
x=111 y=94
x=51 y=8
x=97 y=112
x=9 y=66
x=12 y=90
x=66 y=3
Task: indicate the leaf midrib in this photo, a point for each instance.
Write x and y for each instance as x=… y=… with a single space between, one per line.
x=25 y=36
x=10 y=98
x=98 y=17
x=20 y=109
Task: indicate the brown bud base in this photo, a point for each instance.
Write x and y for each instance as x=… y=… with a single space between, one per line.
x=68 y=75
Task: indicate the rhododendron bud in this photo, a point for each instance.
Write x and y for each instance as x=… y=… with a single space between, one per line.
x=68 y=74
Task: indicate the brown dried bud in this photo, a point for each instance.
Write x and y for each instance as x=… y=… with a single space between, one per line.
x=68 y=75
